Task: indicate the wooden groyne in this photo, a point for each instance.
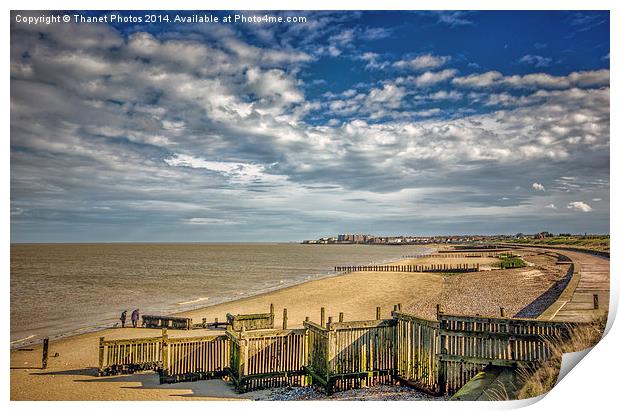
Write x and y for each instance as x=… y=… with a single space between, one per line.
x=465 y=254
x=437 y=356
x=251 y=321
x=413 y=268
x=127 y=356
x=160 y=321
x=194 y=358
x=267 y=358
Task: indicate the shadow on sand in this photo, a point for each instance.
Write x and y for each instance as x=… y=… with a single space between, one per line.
x=91 y=371
x=208 y=389
x=543 y=301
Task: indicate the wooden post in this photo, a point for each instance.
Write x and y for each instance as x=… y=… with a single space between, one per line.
x=307 y=319
x=164 y=351
x=399 y=306
x=441 y=371
x=439 y=310
x=271 y=310
x=243 y=357
x=322 y=316
x=46 y=343
x=331 y=353
x=330 y=320
x=341 y=317
x=501 y=312
x=378 y=313
x=101 y=351
x=204 y=322
x=284 y=319
x=595 y=301
x=511 y=348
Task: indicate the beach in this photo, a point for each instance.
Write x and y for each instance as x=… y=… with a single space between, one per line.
x=72 y=374
x=59 y=290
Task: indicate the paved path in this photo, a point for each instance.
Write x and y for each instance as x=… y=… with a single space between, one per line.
x=593 y=279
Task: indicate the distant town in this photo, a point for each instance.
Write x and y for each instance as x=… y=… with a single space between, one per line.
x=450 y=239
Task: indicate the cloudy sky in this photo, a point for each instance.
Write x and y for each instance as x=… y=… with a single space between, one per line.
x=385 y=123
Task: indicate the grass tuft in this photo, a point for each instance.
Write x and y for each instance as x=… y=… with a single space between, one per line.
x=541 y=380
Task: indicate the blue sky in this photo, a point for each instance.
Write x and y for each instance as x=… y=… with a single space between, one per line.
x=379 y=122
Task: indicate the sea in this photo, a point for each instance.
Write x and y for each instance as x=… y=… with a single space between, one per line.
x=66 y=289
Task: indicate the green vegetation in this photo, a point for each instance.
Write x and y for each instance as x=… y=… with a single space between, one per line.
x=590 y=242
x=510 y=261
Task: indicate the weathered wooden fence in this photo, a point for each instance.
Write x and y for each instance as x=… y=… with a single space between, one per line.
x=418 y=346
x=267 y=358
x=194 y=358
x=129 y=355
x=251 y=321
x=437 y=356
x=469 y=254
x=345 y=355
x=468 y=344
x=160 y=321
x=474 y=250
x=413 y=268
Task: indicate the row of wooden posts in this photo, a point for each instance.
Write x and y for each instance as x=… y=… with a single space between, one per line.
x=437 y=356
x=415 y=268
x=467 y=254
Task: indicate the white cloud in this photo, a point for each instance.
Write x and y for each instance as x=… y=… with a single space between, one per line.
x=374 y=62
x=343 y=38
x=275 y=85
x=446 y=95
x=454 y=18
x=237 y=172
x=431 y=78
x=334 y=51
x=537 y=80
x=552 y=206
x=478 y=80
x=579 y=205
x=208 y=221
x=597 y=199
x=538 y=187
x=390 y=95
x=537 y=61
x=423 y=62
x=369 y=56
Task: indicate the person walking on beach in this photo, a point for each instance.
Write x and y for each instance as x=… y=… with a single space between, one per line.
x=123 y=318
x=135 y=316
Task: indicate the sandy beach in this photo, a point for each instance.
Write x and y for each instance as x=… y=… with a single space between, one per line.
x=72 y=374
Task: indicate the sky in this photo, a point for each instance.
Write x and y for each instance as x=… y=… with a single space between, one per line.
x=387 y=123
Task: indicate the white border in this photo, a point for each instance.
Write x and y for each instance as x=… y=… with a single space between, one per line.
x=591 y=385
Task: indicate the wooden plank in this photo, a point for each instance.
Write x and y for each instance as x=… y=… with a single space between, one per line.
x=492 y=335
x=363 y=324
x=443 y=358
x=132 y=341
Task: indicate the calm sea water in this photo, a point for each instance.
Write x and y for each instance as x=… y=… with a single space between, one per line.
x=60 y=289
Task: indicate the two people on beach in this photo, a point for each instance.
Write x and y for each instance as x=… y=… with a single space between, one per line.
x=135 y=316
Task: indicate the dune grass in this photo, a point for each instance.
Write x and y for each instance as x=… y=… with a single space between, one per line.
x=594 y=242
x=541 y=380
